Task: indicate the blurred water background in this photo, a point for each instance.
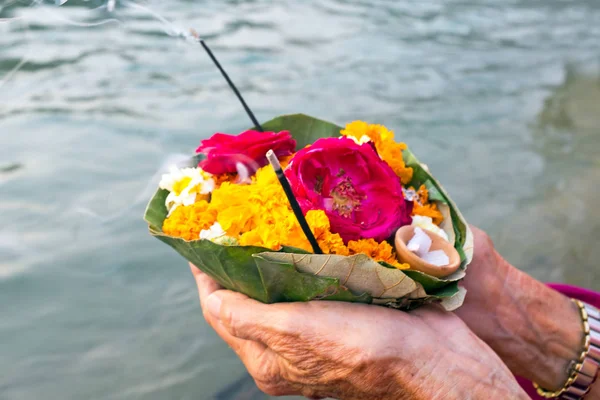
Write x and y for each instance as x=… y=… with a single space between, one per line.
x=501 y=98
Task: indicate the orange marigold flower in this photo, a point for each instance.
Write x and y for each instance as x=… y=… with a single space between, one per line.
x=332 y=243
x=387 y=148
x=219 y=179
x=378 y=251
x=423 y=207
x=429 y=210
x=284 y=161
x=391 y=153
x=423 y=194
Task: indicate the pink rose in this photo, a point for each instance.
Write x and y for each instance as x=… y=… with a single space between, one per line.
x=223 y=151
x=359 y=192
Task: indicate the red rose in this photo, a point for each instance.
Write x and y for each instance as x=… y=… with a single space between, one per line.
x=223 y=151
x=359 y=192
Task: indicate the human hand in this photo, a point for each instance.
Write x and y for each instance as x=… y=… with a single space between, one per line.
x=355 y=351
x=534 y=329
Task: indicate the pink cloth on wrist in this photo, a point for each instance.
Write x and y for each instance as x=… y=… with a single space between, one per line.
x=588 y=296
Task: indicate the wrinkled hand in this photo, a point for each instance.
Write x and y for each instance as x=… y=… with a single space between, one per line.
x=355 y=351
x=534 y=329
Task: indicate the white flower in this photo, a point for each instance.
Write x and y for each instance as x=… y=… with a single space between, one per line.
x=215 y=231
x=363 y=139
x=217 y=235
x=184 y=185
x=427 y=223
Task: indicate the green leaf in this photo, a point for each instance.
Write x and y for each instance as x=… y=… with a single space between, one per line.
x=431 y=284
x=420 y=176
x=156 y=211
x=306 y=130
x=434 y=193
x=448 y=290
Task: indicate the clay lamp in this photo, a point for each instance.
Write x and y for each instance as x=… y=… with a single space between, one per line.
x=426 y=251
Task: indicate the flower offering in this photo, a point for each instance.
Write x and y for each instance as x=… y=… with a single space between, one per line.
x=355 y=186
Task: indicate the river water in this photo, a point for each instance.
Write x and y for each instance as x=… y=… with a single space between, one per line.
x=500 y=98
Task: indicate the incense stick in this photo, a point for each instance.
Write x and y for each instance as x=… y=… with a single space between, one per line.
x=232 y=86
x=293 y=202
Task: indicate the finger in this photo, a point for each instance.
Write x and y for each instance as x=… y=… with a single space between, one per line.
x=261 y=362
x=206 y=286
x=212 y=308
x=245 y=349
x=249 y=319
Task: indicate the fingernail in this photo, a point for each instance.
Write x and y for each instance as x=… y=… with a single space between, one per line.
x=213 y=303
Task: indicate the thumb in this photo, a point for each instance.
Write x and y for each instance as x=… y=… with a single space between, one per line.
x=249 y=319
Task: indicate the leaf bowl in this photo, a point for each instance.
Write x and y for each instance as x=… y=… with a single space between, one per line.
x=293 y=275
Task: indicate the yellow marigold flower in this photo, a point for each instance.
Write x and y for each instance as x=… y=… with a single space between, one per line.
x=235 y=213
x=264 y=236
x=318 y=222
x=294 y=236
x=257 y=213
x=330 y=243
x=187 y=221
x=378 y=251
x=377 y=133
x=265 y=176
x=238 y=219
x=389 y=150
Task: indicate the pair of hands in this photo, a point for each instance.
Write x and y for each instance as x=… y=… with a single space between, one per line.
x=354 y=351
